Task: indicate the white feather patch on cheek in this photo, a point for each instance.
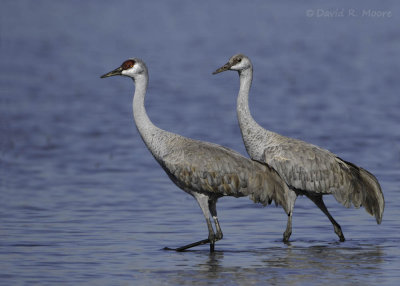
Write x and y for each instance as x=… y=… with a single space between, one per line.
x=235 y=67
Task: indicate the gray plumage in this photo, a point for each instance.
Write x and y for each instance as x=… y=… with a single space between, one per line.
x=206 y=171
x=307 y=169
x=216 y=171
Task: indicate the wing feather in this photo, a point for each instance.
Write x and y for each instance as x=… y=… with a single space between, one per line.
x=198 y=166
x=309 y=168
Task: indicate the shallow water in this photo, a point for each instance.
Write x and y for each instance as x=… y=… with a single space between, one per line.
x=83 y=202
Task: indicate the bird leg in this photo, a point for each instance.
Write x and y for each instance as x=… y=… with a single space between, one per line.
x=288 y=231
x=190 y=245
x=320 y=203
x=212 y=206
x=203 y=202
x=211 y=240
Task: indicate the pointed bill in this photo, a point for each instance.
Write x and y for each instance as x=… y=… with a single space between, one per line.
x=225 y=67
x=117 y=71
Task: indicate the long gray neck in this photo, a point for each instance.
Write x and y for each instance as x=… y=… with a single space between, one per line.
x=151 y=135
x=243 y=111
x=254 y=136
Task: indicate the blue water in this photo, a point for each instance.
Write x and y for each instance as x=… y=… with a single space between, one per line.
x=82 y=202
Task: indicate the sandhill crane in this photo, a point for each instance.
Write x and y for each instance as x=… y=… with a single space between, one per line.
x=307 y=169
x=204 y=170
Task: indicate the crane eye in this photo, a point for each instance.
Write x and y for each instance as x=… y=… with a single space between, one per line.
x=127 y=64
x=239 y=60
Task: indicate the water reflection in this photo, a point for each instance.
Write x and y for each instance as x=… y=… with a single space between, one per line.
x=212 y=265
x=323 y=262
x=352 y=263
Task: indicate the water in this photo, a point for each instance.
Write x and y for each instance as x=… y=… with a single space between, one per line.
x=83 y=202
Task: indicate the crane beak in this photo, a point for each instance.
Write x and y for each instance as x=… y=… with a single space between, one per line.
x=225 y=67
x=117 y=71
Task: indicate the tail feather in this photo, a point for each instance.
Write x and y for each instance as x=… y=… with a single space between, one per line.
x=365 y=191
x=271 y=187
x=374 y=202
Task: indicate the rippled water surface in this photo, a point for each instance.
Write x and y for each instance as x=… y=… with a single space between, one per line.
x=82 y=202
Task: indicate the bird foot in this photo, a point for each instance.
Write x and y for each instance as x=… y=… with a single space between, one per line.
x=339 y=233
x=197 y=243
x=286 y=237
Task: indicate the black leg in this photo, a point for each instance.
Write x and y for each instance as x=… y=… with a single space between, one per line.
x=320 y=203
x=183 y=248
x=203 y=201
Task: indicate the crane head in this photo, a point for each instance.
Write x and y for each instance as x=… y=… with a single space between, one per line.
x=131 y=68
x=238 y=62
